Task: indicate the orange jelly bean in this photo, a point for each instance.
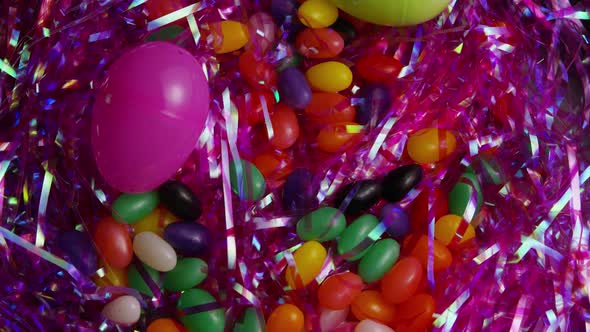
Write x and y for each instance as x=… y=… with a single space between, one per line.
x=113 y=242
x=431 y=145
x=112 y=277
x=372 y=305
x=285 y=318
x=402 y=281
x=229 y=36
x=252 y=106
x=450 y=230
x=330 y=107
x=319 y=43
x=337 y=137
x=257 y=73
x=416 y=313
x=285 y=127
x=273 y=165
x=419 y=248
x=338 y=291
x=165 y=325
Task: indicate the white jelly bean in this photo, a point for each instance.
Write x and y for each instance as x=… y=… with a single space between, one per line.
x=123 y=310
x=154 y=251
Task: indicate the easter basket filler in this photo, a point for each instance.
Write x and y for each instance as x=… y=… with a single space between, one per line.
x=289 y=166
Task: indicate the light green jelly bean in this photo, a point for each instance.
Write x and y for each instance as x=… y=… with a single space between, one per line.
x=356 y=233
x=208 y=320
x=378 y=260
x=251 y=321
x=130 y=208
x=461 y=193
x=252 y=186
x=323 y=224
x=188 y=273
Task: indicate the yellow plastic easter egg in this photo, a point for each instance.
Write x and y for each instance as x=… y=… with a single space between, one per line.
x=112 y=277
x=317 y=13
x=309 y=259
x=229 y=36
x=446 y=229
x=329 y=76
x=397 y=13
x=431 y=145
x=155 y=222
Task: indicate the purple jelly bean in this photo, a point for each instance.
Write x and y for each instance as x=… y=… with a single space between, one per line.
x=78 y=249
x=298 y=191
x=282 y=8
x=188 y=238
x=293 y=88
x=396 y=220
x=375 y=102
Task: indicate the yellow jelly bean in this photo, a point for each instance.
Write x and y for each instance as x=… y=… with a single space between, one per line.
x=112 y=277
x=309 y=259
x=155 y=222
x=329 y=76
x=431 y=145
x=317 y=13
x=446 y=229
x=229 y=36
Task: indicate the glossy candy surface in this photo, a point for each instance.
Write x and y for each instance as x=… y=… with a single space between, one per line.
x=179 y=199
x=124 y=310
x=285 y=127
x=398 y=183
x=369 y=325
x=372 y=305
x=274 y=165
x=130 y=208
x=317 y=13
x=113 y=242
x=402 y=281
x=250 y=321
x=78 y=248
x=465 y=199
x=294 y=88
x=416 y=313
x=143 y=285
x=330 y=319
x=450 y=230
x=361 y=196
x=285 y=318
x=337 y=137
x=155 y=221
x=229 y=36
x=378 y=68
x=298 y=191
x=309 y=259
x=419 y=249
x=211 y=318
x=319 y=43
x=431 y=145
x=165 y=325
x=323 y=224
x=188 y=273
x=252 y=185
x=378 y=260
x=354 y=242
x=112 y=277
x=396 y=220
x=188 y=238
x=154 y=251
x=252 y=105
x=330 y=107
x=329 y=76
x=338 y=291
x=256 y=71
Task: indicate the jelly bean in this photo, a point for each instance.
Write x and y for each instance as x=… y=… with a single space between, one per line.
x=180 y=200
x=188 y=273
x=309 y=260
x=229 y=36
x=446 y=230
x=337 y=137
x=354 y=242
x=252 y=185
x=402 y=281
x=273 y=165
x=460 y=197
x=345 y=29
x=299 y=191
x=317 y=13
x=419 y=249
x=252 y=105
x=398 y=183
x=378 y=68
x=293 y=88
x=369 y=325
x=361 y=196
x=112 y=277
x=375 y=102
x=285 y=127
x=329 y=76
x=159 y=8
x=431 y=145
x=165 y=33
x=154 y=251
x=329 y=107
x=210 y=318
x=250 y=321
x=155 y=222
x=396 y=220
x=165 y=325
x=262 y=33
x=419 y=208
x=137 y=280
x=123 y=310
x=330 y=319
x=130 y=208
x=188 y=238
x=257 y=72
x=378 y=260
x=323 y=224
x=319 y=43
x=338 y=291
x=372 y=305
x=285 y=318
x=113 y=242
x=77 y=246
x=282 y=8
x=416 y=313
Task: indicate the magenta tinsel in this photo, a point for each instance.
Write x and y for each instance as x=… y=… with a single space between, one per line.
x=512 y=78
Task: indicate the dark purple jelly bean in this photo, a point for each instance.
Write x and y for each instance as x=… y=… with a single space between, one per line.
x=375 y=102
x=398 y=183
x=180 y=200
x=396 y=220
x=188 y=238
x=364 y=195
x=282 y=8
x=78 y=249
x=298 y=191
x=293 y=88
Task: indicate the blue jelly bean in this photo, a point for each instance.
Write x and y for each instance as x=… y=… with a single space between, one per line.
x=293 y=88
x=298 y=191
x=78 y=249
x=396 y=220
x=375 y=102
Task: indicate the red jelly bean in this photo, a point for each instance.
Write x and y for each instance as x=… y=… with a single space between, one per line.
x=418 y=247
x=416 y=313
x=273 y=165
x=159 y=8
x=372 y=305
x=319 y=43
x=330 y=107
x=337 y=137
x=285 y=127
x=419 y=208
x=338 y=291
x=402 y=281
x=114 y=243
x=378 y=68
x=250 y=105
x=257 y=72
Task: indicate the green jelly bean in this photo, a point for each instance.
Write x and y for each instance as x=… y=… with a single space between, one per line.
x=212 y=320
x=356 y=233
x=378 y=260
x=188 y=273
x=251 y=321
x=323 y=224
x=130 y=208
x=461 y=193
x=137 y=282
x=253 y=185
x=166 y=33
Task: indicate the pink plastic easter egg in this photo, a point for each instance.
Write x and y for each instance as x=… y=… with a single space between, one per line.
x=148 y=115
